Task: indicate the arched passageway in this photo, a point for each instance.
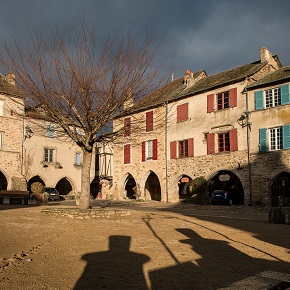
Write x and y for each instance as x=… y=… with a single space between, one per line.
x=3 y=181
x=152 y=187
x=227 y=180
x=130 y=187
x=185 y=188
x=280 y=190
x=34 y=179
x=63 y=186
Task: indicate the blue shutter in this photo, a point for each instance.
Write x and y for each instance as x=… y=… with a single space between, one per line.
x=285 y=96
x=263 y=140
x=259 y=100
x=286 y=136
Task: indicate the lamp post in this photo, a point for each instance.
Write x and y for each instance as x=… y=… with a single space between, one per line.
x=243 y=121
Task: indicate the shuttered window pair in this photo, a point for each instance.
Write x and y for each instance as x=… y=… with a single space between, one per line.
x=223 y=100
x=149 y=150
x=272 y=97
x=272 y=139
x=182 y=149
x=227 y=141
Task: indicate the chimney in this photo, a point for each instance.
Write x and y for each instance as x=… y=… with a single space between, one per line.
x=128 y=102
x=265 y=54
x=10 y=78
x=188 y=78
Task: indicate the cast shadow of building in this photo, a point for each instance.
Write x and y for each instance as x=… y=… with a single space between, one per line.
x=219 y=266
x=117 y=268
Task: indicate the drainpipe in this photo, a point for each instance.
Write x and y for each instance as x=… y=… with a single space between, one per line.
x=166 y=153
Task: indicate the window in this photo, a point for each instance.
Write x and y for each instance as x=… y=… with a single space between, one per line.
x=1 y=140
x=127 y=153
x=1 y=107
x=224 y=142
x=276 y=138
x=48 y=154
x=223 y=100
x=127 y=127
x=149 y=150
x=50 y=131
x=272 y=97
x=78 y=158
x=185 y=149
x=149 y=121
x=227 y=141
x=182 y=112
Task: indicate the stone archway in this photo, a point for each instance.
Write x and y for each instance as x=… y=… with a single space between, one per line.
x=3 y=181
x=152 y=187
x=225 y=179
x=36 y=178
x=280 y=190
x=130 y=187
x=63 y=186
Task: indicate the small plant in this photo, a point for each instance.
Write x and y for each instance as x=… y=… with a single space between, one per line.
x=199 y=190
x=36 y=187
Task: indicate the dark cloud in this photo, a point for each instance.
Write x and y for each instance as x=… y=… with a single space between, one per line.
x=211 y=35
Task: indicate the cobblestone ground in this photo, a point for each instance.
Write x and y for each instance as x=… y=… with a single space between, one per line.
x=156 y=246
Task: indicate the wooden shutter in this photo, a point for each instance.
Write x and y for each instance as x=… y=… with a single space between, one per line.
x=182 y=112
x=210 y=103
x=286 y=136
x=259 y=100
x=155 y=149
x=210 y=143
x=143 y=151
x=190 y=148
x=149 y=121
x=263 y=139
x=233 y=140
x=127 y=153
x=127 y=126
x=233 y=97
x=173 y=150
x=285 y=96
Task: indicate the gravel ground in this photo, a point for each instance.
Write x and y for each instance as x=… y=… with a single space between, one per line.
x=157 y=246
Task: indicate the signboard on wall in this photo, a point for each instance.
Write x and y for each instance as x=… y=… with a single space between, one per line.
x=224 y=177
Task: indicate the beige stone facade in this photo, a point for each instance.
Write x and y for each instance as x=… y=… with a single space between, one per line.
x=202 y=137
x=11 y=131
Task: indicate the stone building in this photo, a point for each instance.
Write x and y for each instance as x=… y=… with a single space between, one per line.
x=197 y=129
x=11 y=134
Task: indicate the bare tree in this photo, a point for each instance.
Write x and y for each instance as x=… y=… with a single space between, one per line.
x=81 y=80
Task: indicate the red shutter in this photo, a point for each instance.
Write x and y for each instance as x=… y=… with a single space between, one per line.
x=233 y=140
x=182 y=112
x=233 y=97
x=173 y=150
x=143 y=151
x=210 y=143
x=127 y=126
x=127 y=153
x=210 y=103
x=190 y=148
x=155 y=149
x=149 y=121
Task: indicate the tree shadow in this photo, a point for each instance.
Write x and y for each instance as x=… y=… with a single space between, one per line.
x=219 y=266
x=117 y=268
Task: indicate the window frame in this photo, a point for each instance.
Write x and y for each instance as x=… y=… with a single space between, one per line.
x=272 y=97
x=149 y=121
x=183 y=151
x=182 y=113
x=127 y=153
x=76 y=159
x=1 y=107
x=224 y=104
x=275 y=138
x=49 y=155
x=127 y=127
x=224 y=142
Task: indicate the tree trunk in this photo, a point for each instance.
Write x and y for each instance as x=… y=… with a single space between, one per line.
x=85 y=187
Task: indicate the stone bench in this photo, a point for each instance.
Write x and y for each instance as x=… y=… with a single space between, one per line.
x=14 y=194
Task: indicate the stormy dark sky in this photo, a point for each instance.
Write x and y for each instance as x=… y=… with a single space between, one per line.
x=214 y=35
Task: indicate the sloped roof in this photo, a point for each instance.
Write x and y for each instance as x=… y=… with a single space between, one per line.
x=176 y=89
x=8 y=89
x=225 y=78
x=277 y=76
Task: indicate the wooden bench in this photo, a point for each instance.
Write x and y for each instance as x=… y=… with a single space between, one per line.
x=17 y=194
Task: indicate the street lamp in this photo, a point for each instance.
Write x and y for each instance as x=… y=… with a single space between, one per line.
x=243 y=121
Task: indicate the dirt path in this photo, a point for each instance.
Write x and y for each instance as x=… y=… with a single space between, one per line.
x=146 y=250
